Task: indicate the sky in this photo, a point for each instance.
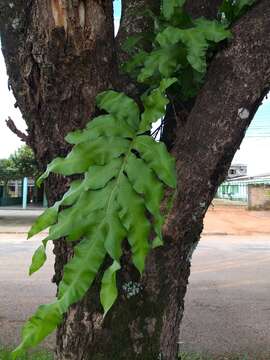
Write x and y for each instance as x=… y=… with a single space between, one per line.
x=253 y=151
x=255 y=147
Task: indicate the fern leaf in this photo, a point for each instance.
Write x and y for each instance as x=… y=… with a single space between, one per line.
x=108 y=204
x=105 y=125
x=150 y=188
x=109 y=291
x=38 y=260
x=212 y=30
x=233 y=9
x=97 y=152
x=50 y=215
x=195 y=39
x=128 y=111
x=137 y=235
x=168 y=7
x=80 y=272
x=155 y=105
x=157 y=157
x=49 y=316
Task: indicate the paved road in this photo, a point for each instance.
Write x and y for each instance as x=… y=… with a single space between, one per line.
x=14 y=220
x=227 y=305
x=228 y=300
x=20 y=295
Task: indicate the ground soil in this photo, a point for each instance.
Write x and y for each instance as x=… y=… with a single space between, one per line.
x=224 y=219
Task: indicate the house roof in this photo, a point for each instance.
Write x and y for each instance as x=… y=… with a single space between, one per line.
x=255 y=178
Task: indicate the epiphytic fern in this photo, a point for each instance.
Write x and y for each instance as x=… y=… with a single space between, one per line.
x=125 y=172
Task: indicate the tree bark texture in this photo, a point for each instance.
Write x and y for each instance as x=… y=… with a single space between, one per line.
x=59 y=55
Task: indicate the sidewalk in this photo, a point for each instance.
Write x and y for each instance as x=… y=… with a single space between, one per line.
x=220 y=220
x=15 y=220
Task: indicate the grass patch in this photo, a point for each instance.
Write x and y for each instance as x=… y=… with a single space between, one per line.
x=43 y=355
x=39 y=355
x=196 y=356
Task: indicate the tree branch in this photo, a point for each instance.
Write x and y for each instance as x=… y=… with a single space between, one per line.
x=133 y=19
x=237 y=81
x=205 y=8
x=11 y=125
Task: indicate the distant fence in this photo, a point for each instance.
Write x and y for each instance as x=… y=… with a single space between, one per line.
x=232 y=191
x=238 y=190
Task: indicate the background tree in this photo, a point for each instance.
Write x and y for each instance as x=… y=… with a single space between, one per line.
x=24 y=162
x=59 y=56
x=7 y=170
x=19 y=165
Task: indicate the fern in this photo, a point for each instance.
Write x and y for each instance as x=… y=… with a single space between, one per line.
x=231 y=10
x=181 y=49
x=169 y=6
x=125 y=172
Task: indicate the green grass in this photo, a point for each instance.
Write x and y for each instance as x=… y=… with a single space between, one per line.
x=196 y=356
x=40 y=355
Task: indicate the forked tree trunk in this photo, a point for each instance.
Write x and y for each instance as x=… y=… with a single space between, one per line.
x=58 y=59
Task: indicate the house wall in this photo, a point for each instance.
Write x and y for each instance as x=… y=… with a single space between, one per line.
x=236 y=171
x=259 y=197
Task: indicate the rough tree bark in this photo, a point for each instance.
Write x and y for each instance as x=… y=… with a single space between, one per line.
x=58 y=59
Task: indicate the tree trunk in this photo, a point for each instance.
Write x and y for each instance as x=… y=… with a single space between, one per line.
x=58 y=59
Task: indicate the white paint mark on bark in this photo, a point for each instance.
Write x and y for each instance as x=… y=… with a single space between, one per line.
x=243 y=113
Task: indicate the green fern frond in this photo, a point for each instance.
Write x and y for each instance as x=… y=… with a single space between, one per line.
x=231 y=10
x=125 y=172
x=168 y=7
x=180 y=49
x=196 y=40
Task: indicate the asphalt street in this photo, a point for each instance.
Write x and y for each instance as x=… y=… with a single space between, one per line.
x=228 y=299
x=227 y=304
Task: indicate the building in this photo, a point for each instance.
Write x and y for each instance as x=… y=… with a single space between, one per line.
x=21 y=192
x=238 y=189
x=259 y=196
x=237 y=170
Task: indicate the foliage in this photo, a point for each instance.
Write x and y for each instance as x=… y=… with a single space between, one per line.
x=40 y=355
x=22 y=163
x=106 y=206
x=7 y=170
x=123 y=170
x=181 y=48
x=231 y=10
x=198 y=356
